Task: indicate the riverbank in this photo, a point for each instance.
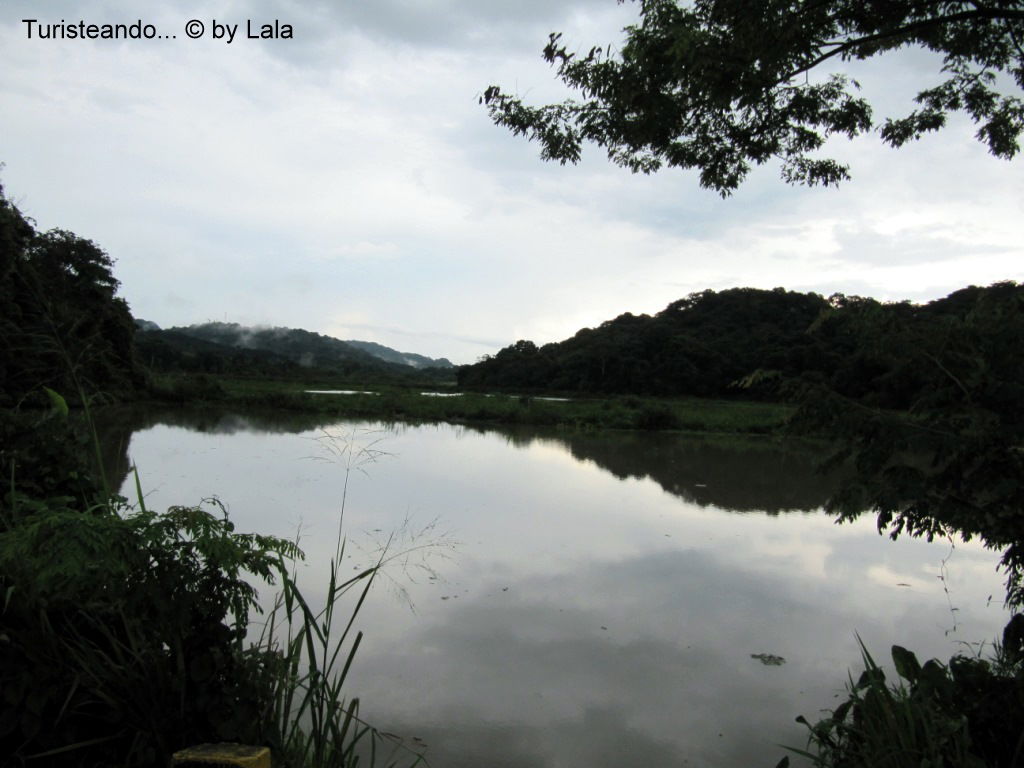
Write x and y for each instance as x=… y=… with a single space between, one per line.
x=393 y=403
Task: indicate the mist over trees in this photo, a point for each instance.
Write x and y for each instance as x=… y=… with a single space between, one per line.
x=231 y=349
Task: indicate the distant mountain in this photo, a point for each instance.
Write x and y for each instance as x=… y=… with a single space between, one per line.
x=308 y=349
x=305 y=347
x=229 y=347
x=402 y=358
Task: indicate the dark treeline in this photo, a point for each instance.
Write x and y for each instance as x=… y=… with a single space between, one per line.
x=696 y=346
x=62 y=325
x=718 y=344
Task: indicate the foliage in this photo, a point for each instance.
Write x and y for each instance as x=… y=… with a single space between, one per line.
x=969 y=714
x=62 y=325
x=696 y=346
x=123 y=631
x=721 y=85
x=46 y=456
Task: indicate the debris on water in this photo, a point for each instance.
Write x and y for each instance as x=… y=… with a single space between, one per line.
x=769 y=659
x=504 y=589
x=604 y=628
x=902 y=584
x=444 y=597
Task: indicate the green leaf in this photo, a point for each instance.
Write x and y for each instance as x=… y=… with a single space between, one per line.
x=60 y=405
x=906 y=663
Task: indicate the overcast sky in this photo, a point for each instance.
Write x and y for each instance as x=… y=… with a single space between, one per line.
x=347 y=181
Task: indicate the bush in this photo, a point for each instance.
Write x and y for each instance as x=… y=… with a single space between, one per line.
x=122 y=632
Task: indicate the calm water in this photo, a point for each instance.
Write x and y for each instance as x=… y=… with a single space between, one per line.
x=580 y=600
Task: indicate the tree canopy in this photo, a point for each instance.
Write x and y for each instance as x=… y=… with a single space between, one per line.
x=724 y=85
x=62 y=325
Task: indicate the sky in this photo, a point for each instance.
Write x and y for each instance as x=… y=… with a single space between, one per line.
x=347 y=181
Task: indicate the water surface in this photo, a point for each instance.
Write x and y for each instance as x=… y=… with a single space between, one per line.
x=581 y=599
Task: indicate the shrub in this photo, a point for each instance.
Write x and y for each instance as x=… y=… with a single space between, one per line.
x=122 y=632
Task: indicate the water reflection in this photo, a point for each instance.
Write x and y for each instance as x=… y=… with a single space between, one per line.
x=742 y=474
x=731 y=473
x=115 y=426
x=600 y=609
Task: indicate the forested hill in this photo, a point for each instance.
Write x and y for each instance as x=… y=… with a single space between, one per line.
x=232 y=348
x=306 y=347
x=697 y=345
x=708 y=342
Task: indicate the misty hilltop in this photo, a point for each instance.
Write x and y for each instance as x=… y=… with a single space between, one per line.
x=389 y=355
x=222 y=347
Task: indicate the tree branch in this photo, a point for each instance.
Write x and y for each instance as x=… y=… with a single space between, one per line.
x=848 y=45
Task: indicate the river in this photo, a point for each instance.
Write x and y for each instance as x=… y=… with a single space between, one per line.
x=578 y=599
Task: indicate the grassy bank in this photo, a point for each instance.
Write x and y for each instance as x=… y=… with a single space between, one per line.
x=391 y=403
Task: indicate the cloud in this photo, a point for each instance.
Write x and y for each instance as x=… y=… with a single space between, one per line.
x=352 y=167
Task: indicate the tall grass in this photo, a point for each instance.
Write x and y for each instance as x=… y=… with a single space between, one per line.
x=315 y=724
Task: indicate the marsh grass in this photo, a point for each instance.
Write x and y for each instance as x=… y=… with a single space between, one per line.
x=612 y=412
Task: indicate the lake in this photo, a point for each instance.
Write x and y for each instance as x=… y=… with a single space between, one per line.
x=578 y=599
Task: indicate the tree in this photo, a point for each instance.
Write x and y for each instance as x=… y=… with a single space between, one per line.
x=726 y=84
x=62 y=324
